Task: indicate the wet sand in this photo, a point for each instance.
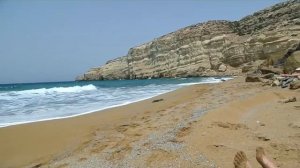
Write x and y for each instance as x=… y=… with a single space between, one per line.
x=195 y=126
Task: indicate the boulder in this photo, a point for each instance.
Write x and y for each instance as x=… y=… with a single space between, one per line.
x=295 y=84
x=222 y=68
x=267 y=70
x=276 y=82
x=268 y=76
x=253 y=78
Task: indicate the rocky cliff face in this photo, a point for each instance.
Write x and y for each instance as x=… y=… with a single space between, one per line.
x=210 y=49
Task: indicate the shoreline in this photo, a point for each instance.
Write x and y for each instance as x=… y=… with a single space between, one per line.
x=195 y=126
x=76 y=115
x=226 y=78
x=11 y=132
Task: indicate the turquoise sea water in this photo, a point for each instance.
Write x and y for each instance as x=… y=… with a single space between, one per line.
x=30 y=102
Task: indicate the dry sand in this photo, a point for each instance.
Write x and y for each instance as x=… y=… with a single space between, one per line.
x=196 y=126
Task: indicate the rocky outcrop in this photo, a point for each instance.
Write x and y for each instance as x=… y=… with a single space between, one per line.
x=295 y=85
x=210 y=49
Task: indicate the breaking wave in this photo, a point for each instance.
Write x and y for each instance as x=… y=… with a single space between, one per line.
x=73 y=89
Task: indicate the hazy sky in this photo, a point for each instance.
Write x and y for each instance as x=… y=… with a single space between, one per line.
x=56 y=40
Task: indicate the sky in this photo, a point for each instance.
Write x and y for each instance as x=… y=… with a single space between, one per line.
x=56 y=40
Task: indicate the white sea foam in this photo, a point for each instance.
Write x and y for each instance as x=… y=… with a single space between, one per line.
x=18 y=107
x=73 y=89
x=207 y=80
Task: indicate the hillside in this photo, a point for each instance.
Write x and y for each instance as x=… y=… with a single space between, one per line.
x=213 y=48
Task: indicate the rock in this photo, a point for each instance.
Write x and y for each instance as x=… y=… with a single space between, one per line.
x=213 y=48
x=157 y=100
x=262 y=124
x=248 y=68
x=268 y=70
x=79 y=78
x=222 y=68
x=252 y=66
x=268 y=76
x=295 y=85
x=253 y=78
x=276 y=83
x=266 y=82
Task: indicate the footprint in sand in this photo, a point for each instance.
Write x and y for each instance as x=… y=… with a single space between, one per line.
x=120 y=152
x=262 y=138
x=183 y=132
x=159 y=155
x=37 y=166
x=230 y=126
x=295 y=136
x=145 y=117
x=294 y=125
x=219 y=148
x=297 y=107
x=82 y=159
x=98 y=148
x=125 y=127
x=286 y=151
x=280 y=147
x=64 y=165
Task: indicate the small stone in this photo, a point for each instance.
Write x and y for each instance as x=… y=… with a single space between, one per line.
x=262 y=124
x=157 y=100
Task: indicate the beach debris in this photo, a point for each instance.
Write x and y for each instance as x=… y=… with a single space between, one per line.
x=157 y=100
x=219 y=146
x=272 y=78
x=260 y=123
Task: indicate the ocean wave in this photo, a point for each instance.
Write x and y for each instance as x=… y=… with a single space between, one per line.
x=63 y=101
x=72 y=89
x=207 y=80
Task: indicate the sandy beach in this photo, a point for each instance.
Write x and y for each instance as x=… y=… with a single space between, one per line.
x=195 y=126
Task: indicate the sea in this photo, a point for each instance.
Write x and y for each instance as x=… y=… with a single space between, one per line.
x=31 y=102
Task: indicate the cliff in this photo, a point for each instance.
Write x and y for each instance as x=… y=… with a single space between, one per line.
x=212 y=48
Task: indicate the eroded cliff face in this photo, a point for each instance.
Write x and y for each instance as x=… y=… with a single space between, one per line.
x=209 y=49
